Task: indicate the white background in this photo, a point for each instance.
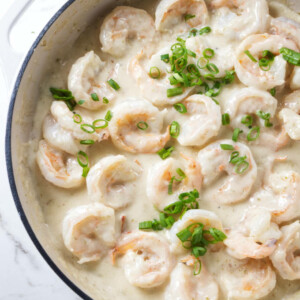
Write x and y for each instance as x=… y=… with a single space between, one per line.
x=23 y=272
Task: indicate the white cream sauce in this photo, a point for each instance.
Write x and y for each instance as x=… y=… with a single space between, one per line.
x=109 y=281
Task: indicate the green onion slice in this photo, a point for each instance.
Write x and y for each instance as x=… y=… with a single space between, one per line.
x=165 y=58
x=197 y=267
x=82 y=159
x=188 y=17
x=290 y=56
x=247 y=120
x=154 y=72
x=226 y=147
x=174 y=129
x=234 y=156
x=105 y=100
x=255 y=130
x=113 y=84
x=96 y=126
x=225 y=119
x=94 y=97
x=145 y=225
x=236 y=134
x=142 y=125
x=165 y=152
x=180 y=108
x=174 y=92
x=241 y=167
x=77 y=118
x=87 y=142
x=202 y=63
x=108 y=116
x=174 y=208
x=80 y=102
x=273 y=92
x=85 y=171
x=208 y=53
x=204 y=30
x=247 y=52
x=87 y=128
x=212 y=68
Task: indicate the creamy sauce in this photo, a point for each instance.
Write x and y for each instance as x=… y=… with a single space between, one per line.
x=106 y=280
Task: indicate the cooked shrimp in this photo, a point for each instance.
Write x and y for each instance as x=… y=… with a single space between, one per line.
x=85 y=79
x=170 y=15
x=251 y=280
x=65 y=118
x=147 y=261
x=132 y=115
x=240 y=18
x=123 y=26
x=214 y=161
x=201 y=122
x=112 y=181
x=295 y=79
x=223 y=50
x=184 y=285
x=89 y=231
x=207 y=218
x=290 y=115
x=286 y=257
x=250 y=73
x=161 y=174
x=154 y=90
x=255 y=236
x=281 y=196
x=57 y=167
x=60 y=138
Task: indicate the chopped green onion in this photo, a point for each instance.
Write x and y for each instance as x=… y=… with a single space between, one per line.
x=210 y=77
x=165 y=58
x=174 y=129
x=85 y=171
x=266 y=117
x=212 y=68
x=290 y=56
x=241 y=167
x=268 y=54
x=204 y=30
x=273 y=92
x=87 y=142
x=225 y=119
x=105 y=100
x=188 y=17
x=82 y=159
x=264 y=64
x=180 y=108
x=193 y=32
x=247 y=120
x=236 y=134
x=198 y=251
x=100 y=126
x=174 y=208
x=184 y=235
x=77 y=118
x=145 y=225
x=87 y=128
x=226 y=147
x=250 y=136
x=197 y=267
x=247 y=52
x=218 y=235
x=202 y=62
x=191 y=53
x=113 y=84
x=174 y=92
x=229 y=77
x=154 y=72
x=142 y=125
x=80 y=102
x=208 y=53
x=108 y=116
x=64 y=95
x=94 y=97
x=180 y=173
x=234 y=156
x=165 y=152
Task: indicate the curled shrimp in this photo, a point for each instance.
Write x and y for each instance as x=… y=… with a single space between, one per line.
x=290 y=115
x=57 y=167
x=255 y=236
x=201 y=122
x=285 y=258
x=160 y=178
x=147 y=260
x=154 y=89
x=85 y=79
x=60 y=138
x=89 y=231
x=207 y=218
x=240 y=18
x=250 y=280
x=170 y=14
x=65 y=118
x=136 y=127
x=237 y=185
x=123 y=26
x=112 y=181
x=184 y=285
x=250 y=73
x=280 y=195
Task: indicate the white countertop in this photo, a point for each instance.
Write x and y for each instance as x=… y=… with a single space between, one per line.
x=24 y=273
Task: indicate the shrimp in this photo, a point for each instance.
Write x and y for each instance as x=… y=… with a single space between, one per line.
x=85 y=79
x=170 y=15
x=238 y=19
x=285 y=258
x=295 y=79
x=255 y=236
x=202 y=121
x=60 y=138
x=125 y=127
x=290 y=115
x=281 y=196
x=238 y=184
x=250 y=73
x=58 y=168
x=251 y=280
x=160 y=177
x=89 y=231
x=65 y=118
x=154 y=90
x=147 y=260
x=124 y=26
x=185 y=286
x=207 y=218
x=112 y=181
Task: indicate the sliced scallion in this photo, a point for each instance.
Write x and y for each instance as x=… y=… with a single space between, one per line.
x=253 y=134
x=154 y=72
x=94 y=97
x=226 y=147
x=225 y=119
x=142 y=125
x=97 y=126
x=180 y=108
x=174 y=129
x=113 y=84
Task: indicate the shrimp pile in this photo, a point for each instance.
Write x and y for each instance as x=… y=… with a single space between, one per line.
x=171 y=152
